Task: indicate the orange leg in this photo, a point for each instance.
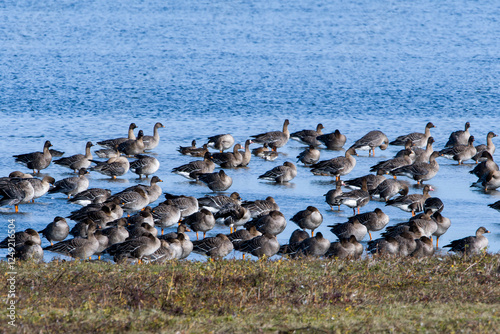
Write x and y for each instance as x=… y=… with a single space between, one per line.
x=16 y=208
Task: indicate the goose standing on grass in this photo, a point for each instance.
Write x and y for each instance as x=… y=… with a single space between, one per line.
x=281 y=174
x=78 y=248
x=345 y=248
x=134 y=248
x=413 y=202
x=91 y=196
x=77 y=161
x=470 y=245
x=29 y=251
x=132 y=147
x=309 y=219
x=308 y=137
x=333 y=141
x=388 y=189
x=309 y=156
x=112 y=167
x=370 y=141
x=151 y=142
x=57 y=230
x=420 y=171
x=355 y=199
x=201 y=221
x=36 y=161
x=460 y=137
x=374 y=220
x=229 y=159
x=215 y=247
x=113 y=143
x=490 y=147
x=331 y=195
x=418 y=139
x=192 y=169
x=221 y=142
x=274 y=139
x=264 y=245
x=72 y=185
x=218 y=181
x=41 y=187
x=352 y=227
x=144 y=165
x=460 y=153
x=337 y=166
x=16 y=192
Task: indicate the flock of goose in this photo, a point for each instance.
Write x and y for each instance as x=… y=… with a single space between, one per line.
x=127 y=227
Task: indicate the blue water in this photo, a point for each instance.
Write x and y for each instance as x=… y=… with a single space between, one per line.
x=76 y=71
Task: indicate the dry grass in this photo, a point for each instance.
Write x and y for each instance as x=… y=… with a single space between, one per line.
x=446 y=294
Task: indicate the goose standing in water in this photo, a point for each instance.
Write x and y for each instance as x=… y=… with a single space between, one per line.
x=418 y=139
x=281 y=174
x=132 y=147
x=419 y=171
x=57 y=230
x=460 y=137
x=308 y=137
x=374 y=221
x=41 y=187
x=309 y=156
x=144 y=165
x=337 y=166
x=151 y=142
x=264 y=245
x=413 y=202
x=229 y=159
x=216 y=181
x=16 y=192
x=134 y=248
x=193 y=168
x=370 y=141
x=113 y=143
x=36 y=161
x=91 y=196
x=274 y=139
x=77 y=161
x=310 y=219
x=78 y=248
x=490 y=147
x=214 y=247
x=355 y=199
x=460 y=153
x=113 y=167
x=331 y=195
x=193 y=151
x=221 y=142
x=71 y=185
x=333 y=141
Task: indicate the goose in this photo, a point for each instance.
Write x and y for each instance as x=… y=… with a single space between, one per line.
x=186 y=150
x=192 y=169
x=309 y=156
x=387 y=246
x=345 y=248
x=77 y=161
x=233 y=215
x=91 y=196
x=132 y=201
x=370 y=141
x=387 y=166
x=36 y=161
x=71 y=185
x=112 y=167
x=16 y=192
x=490 y=146
x=281 y=174
x=331 y=195
x=218 y=181
x=352 y=227
x=132 y=147
x=470 y=245
x=308 y=137
x=186 y=204
x=272 y=223
x=41 y=187
x=388 y=189
x=443 y=224
x=57 y=230
x=265 y=245
x=216 y=202
x=246 y=154
x=181 y=244
x=20 y=238
x=140 y=230
x=166 y=214
x=314 y=246
x=136 y=248
x=310 y=219
x=337 y=166
x=372 y=181
x=297 y=236
x=143 y=216
x=424 y=248
x=259 y=151
x=78 y=248
x=258 y=208
x=418 y=139
x=274 y=139
x=486 y=166
x=411 y=203
x=201 y=221
x=355 y=199
x=221 y=142
x=420 y=171
x=144 y=165
x=270 y=155
x=495 y=205
x=214 y=247
x=374 y=220
x=422 y=155
x=113 y=143
x=333 y=141
x=228 y=159
x=108 y=153
x=243 y=234
x=118 y=233
x=407 y=244
x=29 y=251
x=161 y=255
x=425 y=223
x=491 y=181
x=181 y=229
x=151 y=142
x=460 y=153
x=460 y=137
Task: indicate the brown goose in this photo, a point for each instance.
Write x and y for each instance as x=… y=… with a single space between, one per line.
x=259 y=151
x=345 y=248
x=309 y=156
x=153 y=191
x=166 y=214
x=372 y=181
x=443 y=224
x=258 y=208
x=201 y=221
x=387 y=246
x=214 y=247
x=91 y=196
x=490 y=147
x=387 y=166
x=486 y=165
x=470 y=245
x=186 y=150
x=388 y=189
x=151 y=142
x=41 y=187
x=264 y=245
x=374 y=221
x=370 y=141
x=243 y=234
x=460 y=137
x=352 y=227
x=113 y=143
x=418 y=139
x=194 y=151
x=420 y=171
x=460 y=153
x=232 y=215
x=411 y=203
x=229 y=160
x=337 y=166
x=221 y=142
x=15 y=192
x=192 y=169
x=308 y=137
x=133 y=146
x=274 y=139
x=144 y=165
x=425 y=248
x=57 y=230
x=133 y=201
x=112 y=167
x=217 y=202
x=313 y=246
x=333 y=141
x=118 y=233
x=77 y=161
x=422 y=155
x=71 y=185
x=187 y=204
x=355 y=199
x=21 y=237
x=331 y=195
x=134 y=248
x=246 y=154
x=79 y=248
x=216 y=181
x=272 y=223
x=161 y=255
x=310 y=219
x=36 y=160
x=281 y=174
x=29 y=251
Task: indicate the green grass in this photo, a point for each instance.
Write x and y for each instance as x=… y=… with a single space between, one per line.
x=439 y=294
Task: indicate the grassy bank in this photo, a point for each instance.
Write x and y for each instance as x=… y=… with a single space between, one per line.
x=446 y=294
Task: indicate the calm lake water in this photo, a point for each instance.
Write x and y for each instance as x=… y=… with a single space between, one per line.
x=77 y=71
